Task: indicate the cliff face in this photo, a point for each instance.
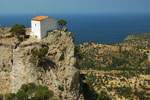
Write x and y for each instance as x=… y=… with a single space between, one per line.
x=57 y=71
x=5 y=69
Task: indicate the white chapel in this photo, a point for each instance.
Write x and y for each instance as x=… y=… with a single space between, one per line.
x=41 y=25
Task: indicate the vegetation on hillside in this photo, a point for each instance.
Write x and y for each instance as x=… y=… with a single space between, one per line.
x=97 y=56
x=1 y=97
x=30 y=91
x=38 y=55
x=103 y=95
x=122 y=68
x=18 y=31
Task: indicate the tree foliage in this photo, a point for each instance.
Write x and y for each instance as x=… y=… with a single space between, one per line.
x=1 y=96
x=10 y=96
x=41 y=52
x=62 y=23
x=38 y=55
x=43 y=93
x=21 y=95
x=30 y=91
x=18 y=30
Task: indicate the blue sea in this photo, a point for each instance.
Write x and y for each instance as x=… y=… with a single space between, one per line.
x=99 y=28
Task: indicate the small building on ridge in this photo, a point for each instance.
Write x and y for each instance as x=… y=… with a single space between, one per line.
x=41 y=25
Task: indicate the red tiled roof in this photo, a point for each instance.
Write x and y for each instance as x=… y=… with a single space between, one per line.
x=38 y=18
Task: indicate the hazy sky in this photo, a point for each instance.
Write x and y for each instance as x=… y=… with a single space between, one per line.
x=74 y=6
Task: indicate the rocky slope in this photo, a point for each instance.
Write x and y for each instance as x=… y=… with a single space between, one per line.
x=57 y=70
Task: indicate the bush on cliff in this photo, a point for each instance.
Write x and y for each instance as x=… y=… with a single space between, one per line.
x=42 y=93
x=18 y=30
x=53 y=99
x=62 y=23
x=30 y=91
x=10 y=96
x=1 y=96
x=21 y=95
x=103 y=95
x=38 y=55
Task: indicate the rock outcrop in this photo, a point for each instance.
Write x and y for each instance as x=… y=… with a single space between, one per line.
x=57 y=71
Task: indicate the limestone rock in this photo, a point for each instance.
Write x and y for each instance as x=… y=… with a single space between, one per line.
x=57 y=72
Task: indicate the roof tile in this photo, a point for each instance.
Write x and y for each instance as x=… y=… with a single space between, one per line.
x=39 y=18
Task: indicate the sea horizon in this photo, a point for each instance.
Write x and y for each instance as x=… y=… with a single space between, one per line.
x=98 y=28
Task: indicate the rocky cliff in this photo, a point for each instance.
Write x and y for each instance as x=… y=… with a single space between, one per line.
x=57 y=71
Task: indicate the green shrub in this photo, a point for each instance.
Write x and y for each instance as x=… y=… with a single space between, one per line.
x=53 y=99
x=41 y=52
x=103 y=95
x=28 y=88
x=24 y=88
x=38 y=55
x=21 y=95
x=32 y=86
x=62 y=23
x=10 y=96
x=30 y=92
x=1 y=96
x=18 y=30
x=42 y=93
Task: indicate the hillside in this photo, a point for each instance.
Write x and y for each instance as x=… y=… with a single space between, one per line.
x=122 y=68
x=116 y=55
x=76 y=72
